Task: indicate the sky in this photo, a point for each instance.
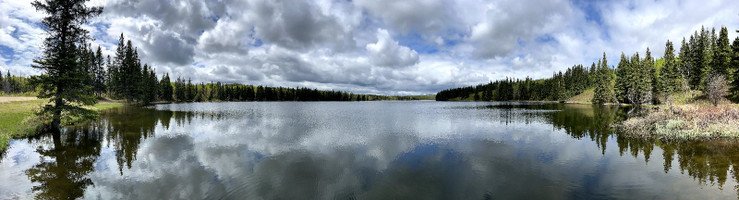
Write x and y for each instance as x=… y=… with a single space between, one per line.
x=387 y=47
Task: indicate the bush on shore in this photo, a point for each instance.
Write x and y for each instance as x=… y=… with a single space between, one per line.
x=685 y=122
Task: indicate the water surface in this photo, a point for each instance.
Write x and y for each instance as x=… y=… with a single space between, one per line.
x=363 y=150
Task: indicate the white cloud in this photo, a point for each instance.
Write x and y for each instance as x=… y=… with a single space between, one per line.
x=385 y=47
x=387 y=52
x=508 y=23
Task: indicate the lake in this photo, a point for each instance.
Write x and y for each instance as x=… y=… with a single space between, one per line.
x=363 y=150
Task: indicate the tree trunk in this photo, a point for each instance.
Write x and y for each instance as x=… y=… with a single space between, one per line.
x=57 y=116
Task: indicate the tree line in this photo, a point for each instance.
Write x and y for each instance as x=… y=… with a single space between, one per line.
x=75 y=75
x=124 y=77
x=706 y=62
x=11 y=84
x=559 y=87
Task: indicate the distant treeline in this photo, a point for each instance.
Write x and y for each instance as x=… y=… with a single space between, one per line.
x=124 y=77
x=14 y=84
x=707 y=62
x=561 y=86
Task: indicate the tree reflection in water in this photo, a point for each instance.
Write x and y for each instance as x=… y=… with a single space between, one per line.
x=62 y=173
x=709 y=162
x=68 y=158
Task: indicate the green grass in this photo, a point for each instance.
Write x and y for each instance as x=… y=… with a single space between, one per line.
x=586 y=97
x=12 y=116
x=18 y=119
x=25 y=94
x=104 y=105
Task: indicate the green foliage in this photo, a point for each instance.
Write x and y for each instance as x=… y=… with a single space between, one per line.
x=65 y=76
x=624 y=77
x=559 y=87
x=635 y=81
x=15 y=85
x=165 y=88
x=127 y=79
x=640 y=89
x=604 y=83
x=722 y=51
x=735 y=68
x=670 y=76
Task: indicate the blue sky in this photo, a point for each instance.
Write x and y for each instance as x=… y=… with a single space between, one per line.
x=372 y=46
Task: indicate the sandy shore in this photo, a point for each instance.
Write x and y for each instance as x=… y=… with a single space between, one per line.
x=9 y=99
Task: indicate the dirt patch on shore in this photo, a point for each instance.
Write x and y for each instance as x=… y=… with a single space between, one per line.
x=9 y=99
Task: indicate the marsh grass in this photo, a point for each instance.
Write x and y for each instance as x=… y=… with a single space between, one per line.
x=685 y=122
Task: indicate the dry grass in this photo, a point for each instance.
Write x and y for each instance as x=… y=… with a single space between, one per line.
x=9 y=99
x=685 y=122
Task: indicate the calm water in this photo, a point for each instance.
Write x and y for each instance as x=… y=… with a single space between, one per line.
x=363 y=150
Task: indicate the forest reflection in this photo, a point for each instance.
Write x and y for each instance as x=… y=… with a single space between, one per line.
x=709 y=162
x=68 y=158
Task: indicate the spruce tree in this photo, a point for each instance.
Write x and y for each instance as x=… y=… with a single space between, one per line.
x=735 y=69
x=165 y=92
x=685 y=66
x=722 y=54
x=655 y=74
x=705 y=52
x=670 y=73
x=63 y=78
x=624 y=79
x=604 y=83
x=99 y=87
x=116 y=69
x=642 y=90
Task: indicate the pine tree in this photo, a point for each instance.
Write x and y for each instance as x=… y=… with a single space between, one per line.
x=604 y=86
x=179 y=87
x=685 y=66
x=670 y=72
x=624 y=79
x=115 y=69
x=735 y=68
x=165 y=92
x=655 y=74
x=63 y=80
x=705 y=53
x=99 y=80
x=642 y=89
x=722 y=54
x=558 y=89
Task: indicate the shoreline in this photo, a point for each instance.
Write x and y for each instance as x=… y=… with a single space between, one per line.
x=18 y=119
x=684 y=123
x=696 y=121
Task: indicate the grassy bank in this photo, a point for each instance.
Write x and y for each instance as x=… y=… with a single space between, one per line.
x=586 y=97
x=18 y=119
x=685 y=122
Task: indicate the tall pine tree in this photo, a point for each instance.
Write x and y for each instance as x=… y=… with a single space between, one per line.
x=64 y=75
x=721 y=61
x=604 y=83
x=735 y=68
x=624 y=79
x=671 y=78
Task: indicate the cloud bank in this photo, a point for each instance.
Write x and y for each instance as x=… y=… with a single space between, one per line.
x=381 y=47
